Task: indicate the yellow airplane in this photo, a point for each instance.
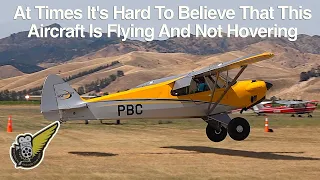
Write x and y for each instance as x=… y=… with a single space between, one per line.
x=207 y=93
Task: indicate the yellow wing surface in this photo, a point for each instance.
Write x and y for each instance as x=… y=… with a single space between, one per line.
x=233 y=64
x=42 y=138
x=236 y=63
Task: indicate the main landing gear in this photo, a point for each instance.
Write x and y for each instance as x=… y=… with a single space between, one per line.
x=238 y=129
x=219 y=125
x=309 y=115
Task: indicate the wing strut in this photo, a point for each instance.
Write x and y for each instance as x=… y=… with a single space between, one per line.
x=212 y=93
x=210 y=110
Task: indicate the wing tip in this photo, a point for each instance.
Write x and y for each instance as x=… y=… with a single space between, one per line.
x=268 y=54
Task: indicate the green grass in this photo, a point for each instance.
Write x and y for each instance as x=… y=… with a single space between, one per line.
x=19 y=102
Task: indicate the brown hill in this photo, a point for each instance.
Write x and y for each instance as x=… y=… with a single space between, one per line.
x=8 y=71
x=140 y=67
x=27 y=53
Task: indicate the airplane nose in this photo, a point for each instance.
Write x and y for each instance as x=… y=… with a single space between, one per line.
x=269 y=85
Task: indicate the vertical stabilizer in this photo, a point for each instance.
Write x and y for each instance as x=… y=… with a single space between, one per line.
x=58 y=95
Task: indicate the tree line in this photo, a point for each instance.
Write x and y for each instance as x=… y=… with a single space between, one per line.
x=314 y=72
x=12 y=95
x=37 y=90
x=95 y=86
x=84 y=73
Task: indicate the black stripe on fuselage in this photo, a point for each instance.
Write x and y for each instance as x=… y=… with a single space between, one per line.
x=180 y=100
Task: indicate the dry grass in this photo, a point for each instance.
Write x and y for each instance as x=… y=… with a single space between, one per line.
x=180 y=150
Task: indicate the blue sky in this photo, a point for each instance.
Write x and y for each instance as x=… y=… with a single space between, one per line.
x=8 y=25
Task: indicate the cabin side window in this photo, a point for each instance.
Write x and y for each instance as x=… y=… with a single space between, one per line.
x=198 y=85
x=180 y=92
x=202 y=84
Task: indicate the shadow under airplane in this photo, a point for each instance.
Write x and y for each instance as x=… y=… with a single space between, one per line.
x=242 y=153
x=95 y=154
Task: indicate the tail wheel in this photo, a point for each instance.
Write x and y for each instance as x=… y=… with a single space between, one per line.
x=239 y=129
x=216 y=135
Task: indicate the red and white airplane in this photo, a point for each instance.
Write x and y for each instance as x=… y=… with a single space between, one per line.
x=287 y=107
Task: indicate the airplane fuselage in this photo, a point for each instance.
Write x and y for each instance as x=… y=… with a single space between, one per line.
x=164 y=104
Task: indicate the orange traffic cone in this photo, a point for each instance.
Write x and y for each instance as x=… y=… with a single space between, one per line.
x=9 y=127
x=266 y=126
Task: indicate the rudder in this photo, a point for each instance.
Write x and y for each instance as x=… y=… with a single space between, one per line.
x=58 y=95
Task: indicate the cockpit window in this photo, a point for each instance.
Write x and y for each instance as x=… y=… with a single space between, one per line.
x=225 y=77
x=202 y=84
x=180 y=92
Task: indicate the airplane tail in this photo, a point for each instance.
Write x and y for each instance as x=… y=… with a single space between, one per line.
x=57 y=96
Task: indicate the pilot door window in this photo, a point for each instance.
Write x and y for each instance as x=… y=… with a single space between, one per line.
x=196 y=86
x=200 y=85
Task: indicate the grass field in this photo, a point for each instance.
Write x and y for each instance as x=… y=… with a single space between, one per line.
x=175 y=149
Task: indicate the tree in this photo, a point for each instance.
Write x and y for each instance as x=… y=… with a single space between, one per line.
x=273 y=98
x=20 y=95
x=97 y=89
x=312 y=73
x=81 y=90
x=120 y=73
x=13 y=96
x=6 y=96
x=113 y=77
x=304 y=76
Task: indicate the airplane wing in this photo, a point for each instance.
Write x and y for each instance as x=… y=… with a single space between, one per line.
x=157 y=81
x=266 y=102
x=185 y=80
x=291 y=102
x=236 y=63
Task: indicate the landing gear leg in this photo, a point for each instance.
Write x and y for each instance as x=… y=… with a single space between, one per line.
x=310 y=116
x=239 y=129
x=292 y=115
